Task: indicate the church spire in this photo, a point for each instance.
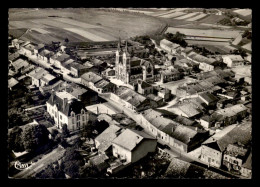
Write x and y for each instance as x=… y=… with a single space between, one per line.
x=126 y=46
x=119 y=44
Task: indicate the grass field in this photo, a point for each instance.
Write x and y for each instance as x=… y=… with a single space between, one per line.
x=80 y=25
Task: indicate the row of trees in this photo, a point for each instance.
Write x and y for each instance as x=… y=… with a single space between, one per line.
x=176 y=38
x=29 y=139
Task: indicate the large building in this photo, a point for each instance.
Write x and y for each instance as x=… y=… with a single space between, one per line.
x=66 y=109
x=128 y=69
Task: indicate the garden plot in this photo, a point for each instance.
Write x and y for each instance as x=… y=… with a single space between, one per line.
x=206 y=33
x=76 y=23
x=87 y=35
x=173 y=15
x=243 y=12
x=201 y=15
x=187 y=16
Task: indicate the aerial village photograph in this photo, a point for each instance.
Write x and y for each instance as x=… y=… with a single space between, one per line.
x=133 y=93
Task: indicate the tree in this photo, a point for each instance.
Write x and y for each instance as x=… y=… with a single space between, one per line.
x=51 y=172
x=15 y=140
x=65 y=131
x=35 y=136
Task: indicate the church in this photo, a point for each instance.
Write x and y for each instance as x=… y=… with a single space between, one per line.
x=129 y=69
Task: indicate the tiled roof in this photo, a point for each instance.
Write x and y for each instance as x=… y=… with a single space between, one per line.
x=12 y=82
x=169 y=44
x=231 y=111
x=102 y=83
x=208 y=97
x=130 y=139
x=241 y=133
x=38 y=73
x=180 y=132
x=91 y=77
x=72 y=103
x=77 y=66
x=107 y=136
x=13 y=56
x=19 y=63
x=62 y=57
x=234 y=57
x=144 y=84
x=130 y=96
x=248 y=163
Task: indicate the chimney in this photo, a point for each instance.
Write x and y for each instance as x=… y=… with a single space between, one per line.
x=172 y=129
x=65 y=100
x=189 y=139
x=52 y=95
x=196 y=129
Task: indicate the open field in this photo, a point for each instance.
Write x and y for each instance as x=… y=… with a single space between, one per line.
x=188 y=15
x=243 y=12
x=197 y=17
x=172 y=15
x=205 y=33
x=91 y=24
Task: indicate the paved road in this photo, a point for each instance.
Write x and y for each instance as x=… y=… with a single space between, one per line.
x=51 y=157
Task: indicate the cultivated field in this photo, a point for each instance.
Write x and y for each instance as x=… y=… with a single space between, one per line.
x=204 y=32
x=197 y=17
x=188 y=15
x=79 y=25
x=243 y=12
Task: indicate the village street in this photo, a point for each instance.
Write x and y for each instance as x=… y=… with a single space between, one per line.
x=47 y=159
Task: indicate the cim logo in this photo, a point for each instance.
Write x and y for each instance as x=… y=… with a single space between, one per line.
x=18 y=165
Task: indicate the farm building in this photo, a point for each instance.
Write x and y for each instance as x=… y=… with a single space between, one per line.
x=12 y=83
x=208 y=98
x=170 y=47
x=132 y=145
x=233 y=60
x=17 y=43
x=28 y=49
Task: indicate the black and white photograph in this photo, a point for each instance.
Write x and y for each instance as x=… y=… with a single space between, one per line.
x=129 y=93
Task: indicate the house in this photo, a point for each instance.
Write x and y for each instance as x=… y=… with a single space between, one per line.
x=85 y=95
x=157 y=99
x=172 y=133
x=14 y=56
x=17 y=43
x=108 y=73
x=246 y=168
x=37 y=75
x=170 y=47
x=132 y=145
x=12 y=83
x=234 y=156
x=170 y=75
x=208 y=98
x=89 y=79
x=58 y=58
x=19 y=65
x=130 y=99
x=99 y=162
x=45 y=55
x=233 y=60
x=188 y=110
x=104 y=86
x=28 y=49
x=38 y=48
x=47 y=79
x=186 y=51
x=66 y=65
x=104 y=140
x=77 y=69
x=163 y=93
x=66 y=109
x=212 y=149
x=144 y=88
x=232 y=114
